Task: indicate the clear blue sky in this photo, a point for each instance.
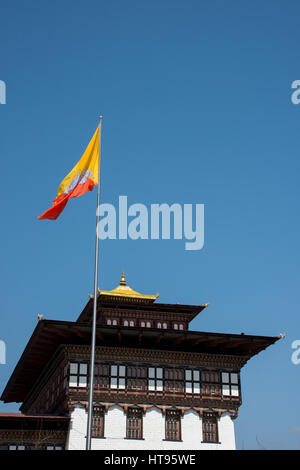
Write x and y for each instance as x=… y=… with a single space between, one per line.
x=196 y=103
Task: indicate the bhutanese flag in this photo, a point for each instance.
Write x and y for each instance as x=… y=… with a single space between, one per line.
x=81 y=179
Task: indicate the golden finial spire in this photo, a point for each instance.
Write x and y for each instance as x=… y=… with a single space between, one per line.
x=123 y=280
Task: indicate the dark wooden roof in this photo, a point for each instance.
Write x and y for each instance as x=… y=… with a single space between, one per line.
x=189 y=311
x=49 y=335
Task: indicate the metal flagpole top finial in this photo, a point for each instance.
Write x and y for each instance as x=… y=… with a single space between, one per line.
x=101 y=117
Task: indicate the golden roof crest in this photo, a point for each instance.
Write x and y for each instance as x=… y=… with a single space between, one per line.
x=123 y=290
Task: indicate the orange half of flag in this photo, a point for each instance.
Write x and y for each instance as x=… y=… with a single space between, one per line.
x=81 y=179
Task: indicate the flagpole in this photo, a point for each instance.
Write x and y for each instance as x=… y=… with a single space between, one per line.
x=93 y=344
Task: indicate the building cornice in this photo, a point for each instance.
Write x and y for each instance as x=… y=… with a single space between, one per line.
x=135 y=355
x=220 y=411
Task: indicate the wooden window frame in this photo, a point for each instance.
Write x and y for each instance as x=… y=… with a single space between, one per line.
x=136 y=378
x=134 y=424
x=211 y=385
x=193 y=381
x=112 y=321
x=98 y=423
x=129 y=321
x=174 y=378
x=173 y=417
x=145 y=324
x=232 y=385
x=136 y=372
x=210 y=428
x=79 y=375
x=16 y=446
x=54 y=447
x=102 y=377
x=119 y=377
x=156 y=379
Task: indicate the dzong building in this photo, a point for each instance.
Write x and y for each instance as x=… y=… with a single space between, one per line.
x=158 y=384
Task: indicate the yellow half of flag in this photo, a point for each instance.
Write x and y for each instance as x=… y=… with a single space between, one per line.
x=82 y=178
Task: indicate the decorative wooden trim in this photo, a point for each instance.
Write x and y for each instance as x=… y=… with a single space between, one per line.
x=33 y=437
x=157 y=357
x=156 y=400
x=156 y=315
x=146 y=407
x=58 y=360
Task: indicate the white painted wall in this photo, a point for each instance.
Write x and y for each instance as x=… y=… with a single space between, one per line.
x=153 y=432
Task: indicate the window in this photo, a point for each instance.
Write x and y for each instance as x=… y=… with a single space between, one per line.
x=129 y=323
x=16 y=447
x=174 y=374
x=145 y=324
x=117 y=379
x=210 y=383
x=230 y=384
x=108 y=322
x=181 y=326
x=137 y=378
x=210 y=427
x=174 y=387
x=192 y=381
x=101 y=376
x=208 y=376
x=78 y=375
x=165 y=326
x=175 y=326
x=158 y=325
x=155 y=382
x=98 y=422
x=54 y=447
x=114 y=322
x=134 y=428
x=137 y=385
x=135 y=371
x=173 y=425
x=174 y=380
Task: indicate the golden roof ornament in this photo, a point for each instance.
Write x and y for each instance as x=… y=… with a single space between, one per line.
x=124 y=291
x=123 y=280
